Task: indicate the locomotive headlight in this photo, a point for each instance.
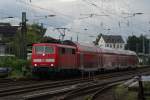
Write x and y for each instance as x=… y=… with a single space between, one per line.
x=37 y=60
x=52 y=65
x=35 y=64
x=50 y=60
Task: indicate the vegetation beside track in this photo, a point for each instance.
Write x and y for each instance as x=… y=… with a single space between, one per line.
x=122 y=93
x=18 y=68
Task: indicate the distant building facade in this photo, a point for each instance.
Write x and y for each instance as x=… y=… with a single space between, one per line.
x=111 y=41
x=7 y=32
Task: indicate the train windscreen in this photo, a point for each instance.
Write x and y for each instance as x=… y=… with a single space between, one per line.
x=44 y=49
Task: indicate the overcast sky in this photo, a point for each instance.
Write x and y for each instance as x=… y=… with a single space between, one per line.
x=85 y=18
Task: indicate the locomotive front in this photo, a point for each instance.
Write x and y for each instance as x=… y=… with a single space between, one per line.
x=43 y=57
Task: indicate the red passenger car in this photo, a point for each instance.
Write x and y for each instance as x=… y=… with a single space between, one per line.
x=63 y=58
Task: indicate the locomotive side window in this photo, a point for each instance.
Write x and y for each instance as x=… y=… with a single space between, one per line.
x=66 y=51
x=73 y=51
x=62 y=51
x=70 y=51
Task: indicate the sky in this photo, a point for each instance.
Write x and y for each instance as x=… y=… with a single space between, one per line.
x=83 y=18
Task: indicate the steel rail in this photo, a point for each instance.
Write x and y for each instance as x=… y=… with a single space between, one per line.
x=34 y=87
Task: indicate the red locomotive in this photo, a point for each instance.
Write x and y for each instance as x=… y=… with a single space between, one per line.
x=56 y=59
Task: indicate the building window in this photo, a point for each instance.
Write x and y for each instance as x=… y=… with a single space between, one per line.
x=117 y=45
x=107 y=45
x=114 y=45
x=111 y=45
x=120 y=45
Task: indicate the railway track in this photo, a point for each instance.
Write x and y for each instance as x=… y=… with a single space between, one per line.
x=74 y=92
x=41 y=86
x=16 y=83
x=95 y=95
x=77 y=92
x=68 y=89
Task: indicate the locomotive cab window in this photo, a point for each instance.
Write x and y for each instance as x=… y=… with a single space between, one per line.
x=44 y=49
x=49 y=50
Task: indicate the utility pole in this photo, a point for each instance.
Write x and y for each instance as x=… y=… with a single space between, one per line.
x=23 y=54
x=77 y=38
x=143 y=45
x=141 y=89
x=143 y=49
x=149 y=46
x=71 y=38
x=137 y=46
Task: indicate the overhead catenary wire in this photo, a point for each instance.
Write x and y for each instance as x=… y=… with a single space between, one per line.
x=42 y=8
x=124 y=19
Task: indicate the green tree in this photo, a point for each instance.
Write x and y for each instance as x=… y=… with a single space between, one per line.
x=35 y=33
x=135 y=43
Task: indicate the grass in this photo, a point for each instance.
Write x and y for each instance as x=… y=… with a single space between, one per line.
x=16 y=74
x=87 y=98
x=17 y=66
x=122 y=93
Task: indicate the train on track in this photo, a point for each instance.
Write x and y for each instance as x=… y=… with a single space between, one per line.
x=73 y=58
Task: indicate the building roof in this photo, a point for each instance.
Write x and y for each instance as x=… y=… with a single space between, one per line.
x=112 y=38
x=7 y=30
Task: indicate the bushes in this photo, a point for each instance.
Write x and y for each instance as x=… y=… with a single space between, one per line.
x=18 y=66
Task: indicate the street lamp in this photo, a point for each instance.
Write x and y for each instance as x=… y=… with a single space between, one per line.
x=138 y=13
x=108 y=30
x=44 y=17
x=9 y=17
x=132 y=14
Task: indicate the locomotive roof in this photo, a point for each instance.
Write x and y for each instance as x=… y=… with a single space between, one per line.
x=55 y=44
